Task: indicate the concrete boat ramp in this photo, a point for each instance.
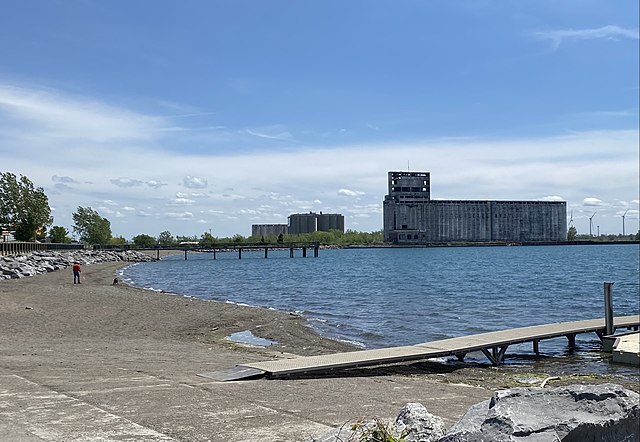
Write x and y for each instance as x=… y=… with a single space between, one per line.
x=493 y=345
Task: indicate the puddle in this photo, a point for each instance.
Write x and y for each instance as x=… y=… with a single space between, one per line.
x=248 y=338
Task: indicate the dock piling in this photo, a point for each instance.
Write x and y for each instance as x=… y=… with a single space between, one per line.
x=608 y=308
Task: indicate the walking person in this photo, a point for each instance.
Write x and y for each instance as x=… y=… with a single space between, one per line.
x=76 y=272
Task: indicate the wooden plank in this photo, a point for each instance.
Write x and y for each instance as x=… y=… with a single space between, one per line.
x=444 y=347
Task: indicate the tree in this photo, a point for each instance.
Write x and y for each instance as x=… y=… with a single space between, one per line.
x=117 y=241
x=92 y=228
x=207 y=239
x=143 y=240
x=237 y=238
x=181 y=239
x=59 y=234
x=23 y=208
x=571 y=233
x=165 y=238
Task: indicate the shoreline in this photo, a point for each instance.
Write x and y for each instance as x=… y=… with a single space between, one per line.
x=102 y=362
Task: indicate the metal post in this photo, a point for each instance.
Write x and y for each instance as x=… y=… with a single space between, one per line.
x=608 y=308
x=185 y=254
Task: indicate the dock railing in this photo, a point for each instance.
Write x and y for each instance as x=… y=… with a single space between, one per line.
x=23 y=247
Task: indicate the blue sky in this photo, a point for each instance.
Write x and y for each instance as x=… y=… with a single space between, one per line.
x=195 y=115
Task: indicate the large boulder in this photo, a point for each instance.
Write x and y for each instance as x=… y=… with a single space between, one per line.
x=575 y=413
x=418 y=424
x=413 y=424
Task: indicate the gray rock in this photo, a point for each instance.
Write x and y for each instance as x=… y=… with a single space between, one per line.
x=576 y=413
x=414 y=423
x=20 y=266
x=418 y=424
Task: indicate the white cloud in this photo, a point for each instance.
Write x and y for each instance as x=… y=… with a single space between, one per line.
x=182 y=201
x=193 y=182
x=126 y=182
x=182 y=216
x=592 y=202
x=155 y=184
x=349 y=192
x=610 y=32
x=553 y=198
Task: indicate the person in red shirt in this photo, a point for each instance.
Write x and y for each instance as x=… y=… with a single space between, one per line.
x=76 y=272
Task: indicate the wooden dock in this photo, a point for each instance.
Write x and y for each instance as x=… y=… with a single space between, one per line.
x=493 y=345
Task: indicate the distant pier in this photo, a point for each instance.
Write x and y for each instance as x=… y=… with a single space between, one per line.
x=305 y=249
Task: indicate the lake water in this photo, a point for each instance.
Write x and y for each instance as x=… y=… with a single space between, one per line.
x=401 y=296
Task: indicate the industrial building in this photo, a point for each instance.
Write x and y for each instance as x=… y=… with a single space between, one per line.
x=267 y=230
x=314 y=222
x=411 y=217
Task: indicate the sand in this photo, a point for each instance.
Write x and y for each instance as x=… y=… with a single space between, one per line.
x=102 y=362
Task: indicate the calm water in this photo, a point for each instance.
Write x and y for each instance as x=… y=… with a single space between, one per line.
x=399 y=296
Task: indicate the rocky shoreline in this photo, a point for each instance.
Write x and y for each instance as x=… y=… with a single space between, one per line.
x=40 y=262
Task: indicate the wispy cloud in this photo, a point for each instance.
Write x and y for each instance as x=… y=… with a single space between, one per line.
x=609 y=32
x=274 y=132
x=72 y=117
x=350 y=193
x=63 y=179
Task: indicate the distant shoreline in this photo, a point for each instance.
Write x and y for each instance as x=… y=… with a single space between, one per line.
x=487 y=244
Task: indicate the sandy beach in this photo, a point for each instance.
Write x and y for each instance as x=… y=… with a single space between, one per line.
x=103 y=362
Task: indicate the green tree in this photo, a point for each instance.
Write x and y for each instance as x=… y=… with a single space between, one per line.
x=237 y=238
x=59 y=234
x=23 y=208
x=571 y=233
x=207 y=239
x=117 y=241
x=166 y=239
x=143 y=240
x=92 y=228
